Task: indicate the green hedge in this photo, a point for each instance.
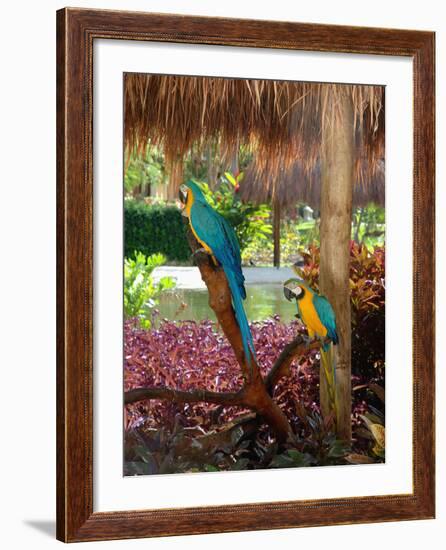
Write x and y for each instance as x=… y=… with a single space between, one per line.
x=155 y=228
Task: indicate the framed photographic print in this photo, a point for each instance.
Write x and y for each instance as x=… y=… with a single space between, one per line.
x=245 y=275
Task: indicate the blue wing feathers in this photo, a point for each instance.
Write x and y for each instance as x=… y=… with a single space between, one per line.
x=219 y=235
x=327 y=316
x=237 y=300
x=328 y=319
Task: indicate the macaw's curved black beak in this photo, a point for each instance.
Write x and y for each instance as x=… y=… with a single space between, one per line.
x=289 y=295
x=182 y=193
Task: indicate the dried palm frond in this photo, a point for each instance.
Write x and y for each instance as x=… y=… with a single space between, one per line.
x=281 y=122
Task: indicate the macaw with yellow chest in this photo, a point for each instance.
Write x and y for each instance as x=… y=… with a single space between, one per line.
x=317 y=315
x=218 y=239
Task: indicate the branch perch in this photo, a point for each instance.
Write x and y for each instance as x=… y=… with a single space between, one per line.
x=281 y=367
x=195 y=396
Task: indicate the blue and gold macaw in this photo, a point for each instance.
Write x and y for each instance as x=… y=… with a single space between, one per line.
x=218 y=239
x=317 y=315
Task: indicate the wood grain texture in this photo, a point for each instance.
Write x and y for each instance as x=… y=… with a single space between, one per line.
x=76 y=31
x=337 y=167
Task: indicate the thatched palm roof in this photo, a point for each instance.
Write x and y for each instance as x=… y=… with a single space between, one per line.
x=297 y=184
x=280 y=121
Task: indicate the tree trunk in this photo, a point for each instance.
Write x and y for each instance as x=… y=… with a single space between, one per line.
x=276 y=232
x=175 y=180
x=335 y=235
x=233 y=165
x=358 y=227
x=212 y=166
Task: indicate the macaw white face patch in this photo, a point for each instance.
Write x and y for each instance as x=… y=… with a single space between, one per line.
x=297 y=291
x=294 y=288
x=184 y=190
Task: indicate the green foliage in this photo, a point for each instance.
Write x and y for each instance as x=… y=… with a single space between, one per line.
x=291 y=458
x=238 y=447
x=145 y=169
x=164 y=451
x=209 y=164
x=293 y=237
x=196 y=164
x=308 y=232
x=155 y=228
x=368 y=225
x=374 y=424
x=320 y=441
x=140 y=291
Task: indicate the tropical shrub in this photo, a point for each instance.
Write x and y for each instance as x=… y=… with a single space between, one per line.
x=294 y=236
x=155 y=228
x=368 y=228
x=144 y=169
x=140 y=291
x=190 y=355
x=369 y=225
x=240 y=446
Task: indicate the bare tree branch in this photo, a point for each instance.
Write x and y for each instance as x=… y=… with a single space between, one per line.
x=297 y=347
x=180 y=396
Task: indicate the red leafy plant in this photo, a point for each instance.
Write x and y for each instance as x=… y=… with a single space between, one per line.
x=189 y=355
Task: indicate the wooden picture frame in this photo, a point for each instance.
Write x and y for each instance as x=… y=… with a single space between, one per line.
x=76 y=31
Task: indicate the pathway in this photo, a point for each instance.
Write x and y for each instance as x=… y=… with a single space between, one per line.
x=189 y=277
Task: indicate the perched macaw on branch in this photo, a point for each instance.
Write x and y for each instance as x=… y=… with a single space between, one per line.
x=218 y=239
x=317 y=315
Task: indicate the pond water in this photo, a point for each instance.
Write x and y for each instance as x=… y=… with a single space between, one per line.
x=262 y=301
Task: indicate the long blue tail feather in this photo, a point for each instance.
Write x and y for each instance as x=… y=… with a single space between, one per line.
x=237 y=301
x=328 y=362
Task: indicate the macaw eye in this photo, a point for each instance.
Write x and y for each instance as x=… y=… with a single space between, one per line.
x=297 y=291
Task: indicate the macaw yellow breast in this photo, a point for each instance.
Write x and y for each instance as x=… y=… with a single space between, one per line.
x=310 y=317
x=189 y=203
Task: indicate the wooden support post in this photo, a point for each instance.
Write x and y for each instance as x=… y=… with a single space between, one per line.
x=335 y=235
